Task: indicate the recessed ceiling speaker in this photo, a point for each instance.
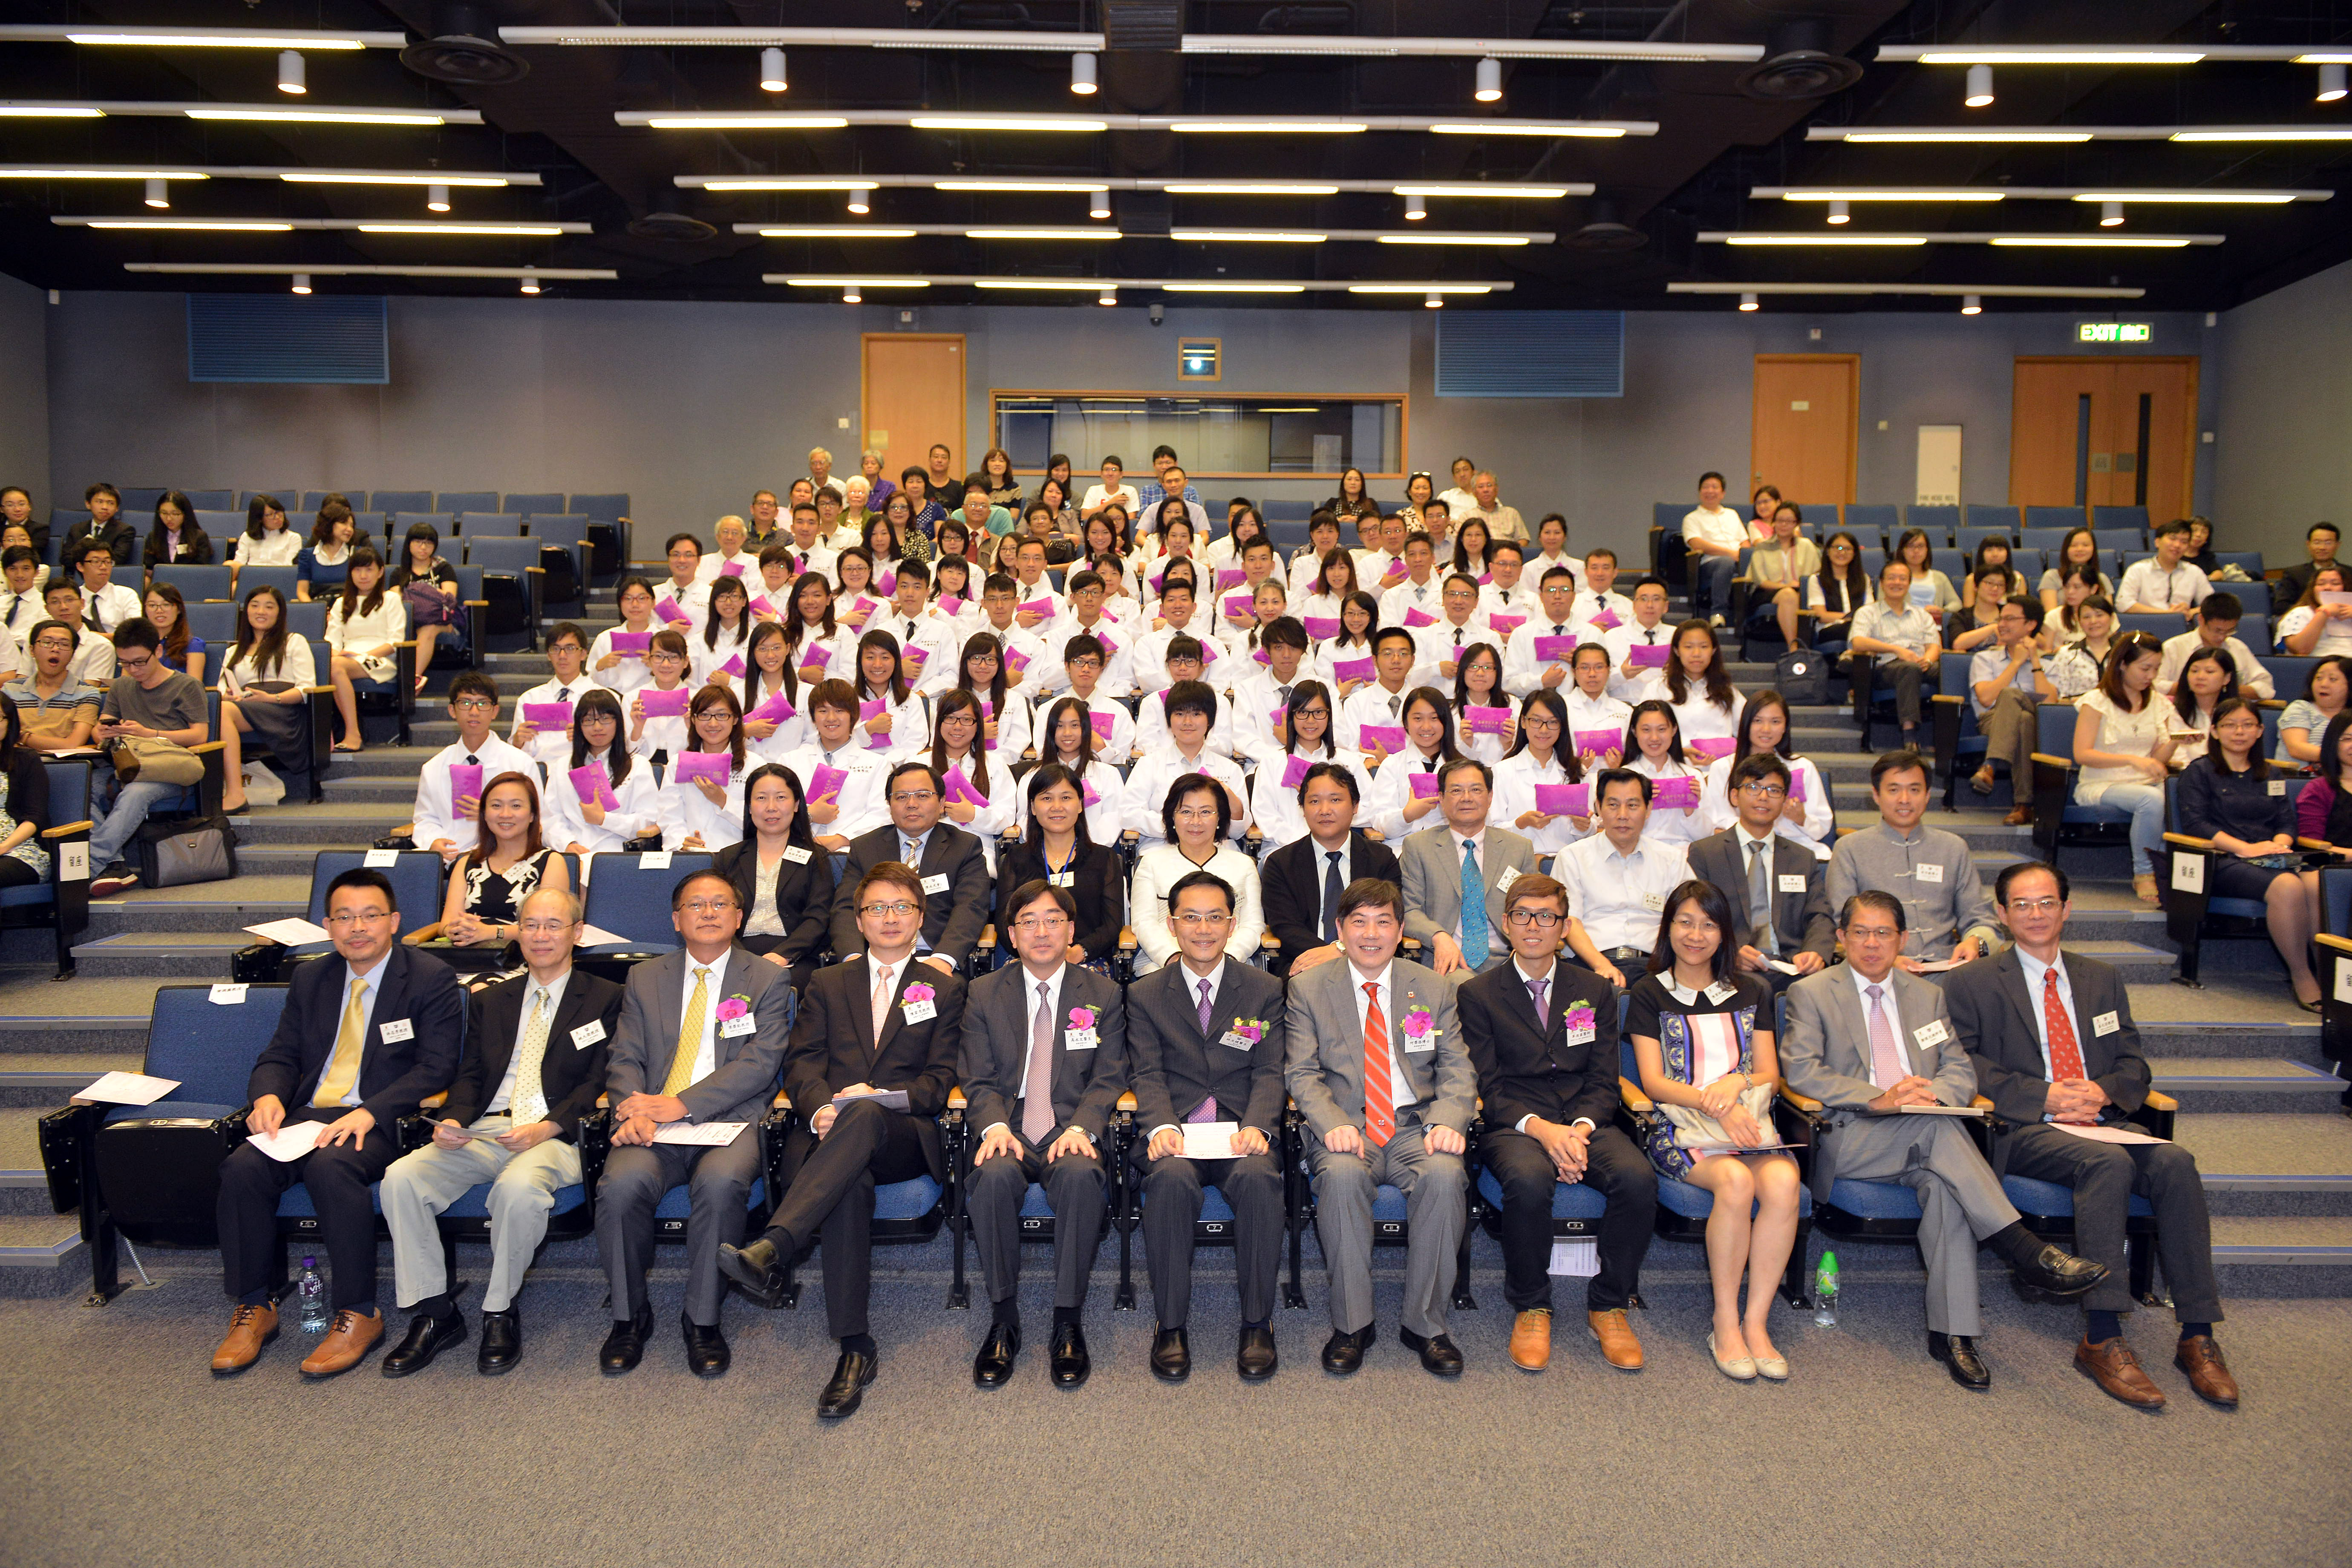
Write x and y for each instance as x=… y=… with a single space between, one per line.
x=1799 y=64
x=1604 y=232
x=464 y=49
x=672 y=227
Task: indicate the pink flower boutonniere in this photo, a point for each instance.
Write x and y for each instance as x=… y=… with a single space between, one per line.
x=919 y=993
x=1082 y=1017
x=1250 y=1029
x=734 y=1007
x=1417 y=1022
x=1579 y=1016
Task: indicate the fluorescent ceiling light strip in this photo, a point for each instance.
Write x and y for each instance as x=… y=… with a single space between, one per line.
x=27 y=108
x=1420 y=288
x=1065 y=285
x=472 y=180
x=827 y=231
x=235 y=225
x=363 y=226
x=1987 y=138
x=1989 y=290
x=2215 y=198
x=1263 y=125
x=373 y=226
x=1303 y=127
x=1459 y=239
x=1849 y=194
x=2042 y=55
x=1052 y=187
x=741 y=121
x=1168 y=285
x=2101 y=241
x=1842 y=240
x=387 y=177
x=1531 y=193
x=1249 y=236
x=1839 y=239
x=755 y=184
x=277 y=270
x=1006 y=123
x=1071 y=233
x=200 y=37
x=1201 y=288
x=330 y=116
x=1995 y=135
x=1540 y=127
x=1242 y=188
x=41 y=171
x=950 y=39
x=857 y=282
x=2265 y=133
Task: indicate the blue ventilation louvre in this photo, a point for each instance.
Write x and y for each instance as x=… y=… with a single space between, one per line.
x=288 y=338
x=1532 y=354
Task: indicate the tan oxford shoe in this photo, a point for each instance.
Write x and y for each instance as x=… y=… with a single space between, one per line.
x=1618 y=1345
x=348 y=1342
x=250 y=1330
x=1531 y=1340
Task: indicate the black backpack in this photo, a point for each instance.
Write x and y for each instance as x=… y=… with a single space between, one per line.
x=1802 y=676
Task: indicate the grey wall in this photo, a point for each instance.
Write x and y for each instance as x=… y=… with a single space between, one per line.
x=24 y=389
x=2285 y=375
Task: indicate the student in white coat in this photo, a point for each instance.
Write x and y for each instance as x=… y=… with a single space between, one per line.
x=1066 y=735
x=903 y=725
x=1597 y=721
x=667 y=657
x=1184 y=663
x=1262 y=696
x=1539 y=755
x=1656 y=751
x=1004 y=715
x=1338 y=661
x=683 y=600
x=699 y=812
x=1113 y=725
x=1806 y=816
x=1705 y=703
x=1478 y=683
x=1273 y=789
x=567 y=651
x=1395 y=807
x=1554 y=626
x=839 y=810
x=716 y=653
x=1460 y=623
x=815 y=645
x=1196 y=819
x=769 y=682
x=956 y=746
x=577 y=823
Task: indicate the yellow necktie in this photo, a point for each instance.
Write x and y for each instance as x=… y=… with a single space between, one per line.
x=343 y=1067
x=526 y=1104
x=689 y=1037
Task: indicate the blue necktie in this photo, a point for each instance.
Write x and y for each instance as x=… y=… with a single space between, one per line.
x=1473 y=908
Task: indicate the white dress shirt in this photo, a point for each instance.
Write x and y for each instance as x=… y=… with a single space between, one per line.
x=436 y=816
x=1619 y=898
x=551 y=998
x=1862 y=986
x=1030 y=1003
x=2034 y=969
x=706 y=1050
x=1644 y=684
x=374 y=979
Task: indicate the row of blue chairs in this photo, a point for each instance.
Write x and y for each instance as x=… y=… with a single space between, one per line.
x=1942 y=523
x=605 y=505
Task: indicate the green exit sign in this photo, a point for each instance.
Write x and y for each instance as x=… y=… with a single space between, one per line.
x=2112 y=332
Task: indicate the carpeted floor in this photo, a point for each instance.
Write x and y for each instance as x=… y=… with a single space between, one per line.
x=118 y=1447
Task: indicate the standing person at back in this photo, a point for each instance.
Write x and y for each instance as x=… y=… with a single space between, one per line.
x=1948 y=917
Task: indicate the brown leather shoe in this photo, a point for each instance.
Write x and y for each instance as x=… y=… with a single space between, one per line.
x=1618 y=1345
x=1531 y=1340
x=249 y=1330
x=346 y=1345
x=2018 y=816
x=2200 y=1358
x=2111 y=1365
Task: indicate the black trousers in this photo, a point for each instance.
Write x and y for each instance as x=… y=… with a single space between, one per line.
x=15 y=873
x=1252 y=1185
x=1614 y=1168
x=1074 y=1186
x=2104 y=1178
x=831 y=1201
x=339 y=1180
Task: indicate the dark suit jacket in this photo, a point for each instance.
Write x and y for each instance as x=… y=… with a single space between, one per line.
x=951 y=919
x=571 y=1076
x=995 y=1048
x=1095 y=883
x=744 y=1066
x=804 y=893
x=1803 y=921
x=1995 y=1018
x=1525 y=1069
x=833 y=1046
x=1172 y=1067
x=195 y=547
x=2289 y=586
x=394 y=1075
x=1290 y=885
x=115 y=534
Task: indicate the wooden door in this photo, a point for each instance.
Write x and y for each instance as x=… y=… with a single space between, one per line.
x=914 y=396
x=1806 y=430
x=2104 y=432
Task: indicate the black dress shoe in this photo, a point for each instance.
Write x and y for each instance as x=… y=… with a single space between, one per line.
x=1255 y=1360
x=994 y=1365
x=2060 y=1273
x=1958 y=1352
x=501 y=1342
x=1171 y=1358
x=427 y=1337
x=625 y=1345
x=1068 y=1358
x=707 y=1354
x=757 y=1270
x=851 y=1373
x=1437 y=1353
x=1343 y=1352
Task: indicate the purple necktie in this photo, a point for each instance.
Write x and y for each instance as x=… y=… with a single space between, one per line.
x=1537 y=989
x=1204 y=1111
x=1204 y=1009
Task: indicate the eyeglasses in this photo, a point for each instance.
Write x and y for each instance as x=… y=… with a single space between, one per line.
x=474 y=703
x=349 y=918
x=1764 y=789
x=1871 y=933
x=1542 y=920
x=1196 y=814
x=912 y=796
x=545 y=928
x=1030 y=925
x=1202 y=919
x=902 y=908
x=2035 y=906
x=708 y=905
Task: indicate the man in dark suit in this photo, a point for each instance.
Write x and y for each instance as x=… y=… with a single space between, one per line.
x=361 y=1043
x=870 y=1027
x=953 y=869
x=701 y=1035
x=1203 y=1047
x=1043 y=1062
x=1301 y=883
x=1543 y=1035
x=512 y=1119
x=106 y=525
x=2050 y=1036
x=1779 y=889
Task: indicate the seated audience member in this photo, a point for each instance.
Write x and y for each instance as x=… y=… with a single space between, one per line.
x=56 y=711
x=1654 y=748
x=1278 y=666
x=782 y=880
x=106 y=524
x=2323 y=807
x=1377 y=1067
x=701 y=813
x=721 y=651
x=624 y=672
x=1592 y=711
x=513 y=1119
x=1381 y=699
x=580 y=823
x=1183 y=661
x=1197 y=818
x=1043 y=1063
x=684 y=601
x=20 y=601
x=1901 y=637
x=2075 y=1061
x=1478 y=683
x=927 y=639
x=2326 y=692
x=1306 y=880
x=1778 y=572
x=1420 y=589
x=2005 y=689
x=810 y=546
x=1539 y=755
x=1204 y=1045
x=2226 y=795
x=1705 y=704
x=366 y=623
x=901 y=726
x=323 y=566
x=166 y=609
x=2199 y=553
x=2207 y=681
x=1972 y=626
x=93 y=656
x=1779 y=889
x=2319 y=541
x=1713 y=533
x=1542 y=1035
x=105 y=604
x=1702 y=1028
x=1306 y=718
x=675 y=1059
x=1086 y=617
x=2078 y=552
x=1396 y=805
x=1454 y=879
x=1506 y=593
x=1176 y=619
x=488 y=882
x=2075 y=666
x=1866 y=1038
x=1067 y=739
x=24 y=805
x=2123 y=750
x=730 y=535
x=2309 y=627
x=947 y=860
x=1947 y=916
x=567 y=652
x=2164 y=583
x=1111 y=725
x=1599 y=598
x=1618 y=879
x=1191 y=711
x=1550 y=545
x=1834 y=593
x=768 y=679
x=445 y=821
x=1930 y=590
x=872 y=1025
x=364 y=1038
x=1340 y=660
x=427 y=586
x=1057 y=846
x=153 y=716
x=1461 y=624
x=2217 y=627
x=1807 y=818
x=1630 y=681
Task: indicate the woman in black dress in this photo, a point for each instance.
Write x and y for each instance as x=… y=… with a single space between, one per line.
x=1056 y=849
x=488 y=882
x=782 y=878
x=2231 y=795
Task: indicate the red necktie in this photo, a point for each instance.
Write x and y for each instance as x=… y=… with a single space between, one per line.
x=1379 y=1100
x=2065 y=1054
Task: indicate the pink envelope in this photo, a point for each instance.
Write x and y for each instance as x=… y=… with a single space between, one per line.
x=1038 y=607
x=1101 y=724
x=1263 y=657
x=1486 y=720
x=816 y=654
x=1103 y=638
x=670 y=704
x=1388 y=737
x=1417 y=617
x=1504 y=624
x=730 y=569
x=590 y=785
x=1598 y=742
x=1424 y=786
x=1554 y=650
x=464 y=782
x=688 y=766
x=1485 y=578
x=1682 y=790
x=886 y=583
x=1797 y=784
x=761 y=607
x=775 y=710
x=1354 y=668
x=957 y=788
x=949 y=604
x=870 y=710
x=734 y=667
x=1607 y=620
x=1564 y=799
x=1092 y=797
x=666 y=609
x=631 y=645
x=1321 y=628
x=1015 y=660
x=824 y=785
x=1712 y=747
x=1649 y=655
x=547 y=715
x=1207 y=653
x=1227 y=576
x=866 y=604
x=1294 y=771
x=1394 y=575
x=1238 y=604
x=913 y=659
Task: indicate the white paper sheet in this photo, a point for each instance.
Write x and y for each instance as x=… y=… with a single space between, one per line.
x=129 y=1088
x=290 y=932
x=1580 y=1259
x=713 y=1134
x=1942 y=1110
x=1209 y=1140
x=2108 y=1134
x=598 y=936
x=291 y=1141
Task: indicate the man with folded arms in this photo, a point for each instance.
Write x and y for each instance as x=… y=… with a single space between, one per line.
x=512 y=1119
x=1203 y=1047
x=874 y=1024
x=2050 y=1036
x=364 y=1038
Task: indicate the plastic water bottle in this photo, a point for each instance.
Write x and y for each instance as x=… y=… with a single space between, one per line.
x=313 y=1292
x=1825 y=1291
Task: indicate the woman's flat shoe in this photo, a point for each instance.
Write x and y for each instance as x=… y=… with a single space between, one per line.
x=1740 y=1371
x=246 y=809
x=346 y=748
x=1773 y=1368
x=2310 y=1006
x=2144 y=888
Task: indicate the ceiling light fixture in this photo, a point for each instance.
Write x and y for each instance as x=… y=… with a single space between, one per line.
x=1979 y=93
x=271 y=114
x=1867 y=135
x=2217 y=198
x=302 y=283
x=1420 y=288
x=2111 y=214
x=304 y=270
x=784 y=184
x=1416 y=210
x=2095 y=241
x=1200 y=287
x=159 y=193
x=1454 y=238
x=1844 y=195
x=1247 y=236
x=1082 y=78
x=1065 y=285
x=1536 y=192
x=743 y=122
x=2331 y=83
x=1748 y=302
x=1588 y=128
x=825 y=231
x=526 y=229
x=437 y=198
x=860 y=204
x=858 y=282
x=1942 y=290
x=1840 y=213
x=1041 y=233
x=204 y=38
x=850 y=296
x=1110 y=296
x=232 y=226
x=1070 y=187
x=49 y=112
x=529 y=284
x=1004 y=123
x=2264 y=133
x=2042 y=55
x=291 y=77
x=431 y=182
x=93 y=171
x=1433 y=300
x=1843 y=239
x=1489 y=88
x=772 y=70
x=1271 y=122
x=1098 y=205
x=1972 y=305
x=1244 y=188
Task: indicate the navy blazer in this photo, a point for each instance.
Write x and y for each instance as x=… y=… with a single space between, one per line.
x=394 y=1075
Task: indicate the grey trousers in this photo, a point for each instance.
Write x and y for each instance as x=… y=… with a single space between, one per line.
x=424 y=1181
x=1252 y=1185
x=1961 y=1201
x=2011 y=729
x=636 y=1177
x=2104 y=1177
x=1074 y=1184
x=1435 y=1189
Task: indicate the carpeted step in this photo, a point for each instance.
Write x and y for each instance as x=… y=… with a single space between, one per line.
x=173 y=955
x=42 y=1254
x=2246 y=1085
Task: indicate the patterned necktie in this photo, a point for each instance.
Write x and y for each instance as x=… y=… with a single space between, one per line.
x=1205 y=1007
x=1475 y=941
x=1759 y=903
x=1037 y=1102
x=1204 y=1111
x=527 y=1104
x=690 y=1036
x=1380 y=1095
x=1395 y=703
x=1886 y=1060
x=1331 y=893
x=881 y=998
x=343 y=1067
x=2065 y=1052
x=1541 y=991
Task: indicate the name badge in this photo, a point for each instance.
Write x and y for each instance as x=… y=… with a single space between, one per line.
x=1234 y=1041
x=1062 y=880
x=1654 y=902
x=2278 y=786
x=587 y=1034
x=1928 y=873
x=1503 y=883
x=920 y=1011
x=1583 y=1035
x=1719 y=993
x=1792 y=884
x=730 y=1028
x=654 y=861
x=797 y=855
x=398 y=1029
x=381 y=860
x=1081 y=1039
x=1419 y=1043
x=2105 y=1024
x=938 y=884
x=1931 y=1033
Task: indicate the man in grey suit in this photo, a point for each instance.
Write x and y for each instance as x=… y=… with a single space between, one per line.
x=1777 y=889
x=1377 y=1065
x=1866 y=1039
x=2052 y=1038
x=1460 y=933
x=688 y=1052
x=1043 y=1062
x=1202 y=1047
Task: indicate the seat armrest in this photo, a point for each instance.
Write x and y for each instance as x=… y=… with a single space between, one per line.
x=1803 y=1102
x=2186 y=842
x=956 y=1101
x=2159 y=1101
x=1635 y=1100
x=68 y=829
x=1127 y=942
x=434 y=1101
x=2321 y=845
x=1127 y=1102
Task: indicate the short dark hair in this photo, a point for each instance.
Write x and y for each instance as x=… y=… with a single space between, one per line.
x=2178 y=525
x=1561 y=571
x=912 y=765
x=138 y=632
x=1759 y=766
x=1447 y=770
x=1718 y=479
x=2016 y=869
x=2313 y=531
x=1370 y=893
x=1191 y=697
x=1200 y=879
x=1186 y=784
x=1383 y=636
x=1284 y=631
x=1900 y=760
x=707 y=874
x=675 y=539
x=361 y=877
x=1330 y=771
x=1499 y=545
x=103 y=489
x=1875 y=899
x=1716 y=906
x=91 y=546
x=2221 y=607
x=1607 y=777
x=1534 y=885
x=561 y=629
x=897 y=873
x=472 y=682
x=1034 y=888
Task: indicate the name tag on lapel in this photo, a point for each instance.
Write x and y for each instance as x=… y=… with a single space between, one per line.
x=938 y=884
x=730 y=1028
x=2278 y=786
x=1928 y=873
x=1081 y=1040
x=2105 y=1024
x=1234 y=1041
x=587 y=1034
x=920 y=1011
x=1792 y=884
x=1062 y=880
x=798 y=855
x=1582 y=1035
x=1719 y=993
x=396 y=1030
x=1932 y=1033
x=1503 y=883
